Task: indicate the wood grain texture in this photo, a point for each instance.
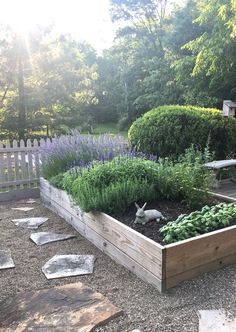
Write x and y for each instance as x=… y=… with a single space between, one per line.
x=143 y=250
x=226 y=191
x=82 y=223
x=162 y=266
x=199 y=251
x=19 y=165
x=14 y=195
x=200 y=269
x=2 y=166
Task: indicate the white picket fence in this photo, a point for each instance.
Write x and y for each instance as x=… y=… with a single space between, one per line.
x=19 y=169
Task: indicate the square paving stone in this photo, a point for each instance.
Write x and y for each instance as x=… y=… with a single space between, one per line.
x=216 y=321
x=72 y=307
x=31 y=223
x=26 y=201
x=41 y=238
x=25 y=209
x=6 y=262
x=60 y=266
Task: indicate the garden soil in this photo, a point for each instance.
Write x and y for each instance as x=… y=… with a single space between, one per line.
x=144 y=307
x=170 y=210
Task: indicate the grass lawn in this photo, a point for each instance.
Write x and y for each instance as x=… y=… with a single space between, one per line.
x=108 y=128
x=101 y=128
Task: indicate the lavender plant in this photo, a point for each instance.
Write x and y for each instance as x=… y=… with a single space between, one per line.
x=67 y=151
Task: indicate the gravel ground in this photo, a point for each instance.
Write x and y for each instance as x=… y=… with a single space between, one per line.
x=144 y=307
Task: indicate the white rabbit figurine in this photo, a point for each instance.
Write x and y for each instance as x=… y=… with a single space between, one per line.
x=142 y=217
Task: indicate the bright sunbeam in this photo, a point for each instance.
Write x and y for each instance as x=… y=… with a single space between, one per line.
x=83 y=19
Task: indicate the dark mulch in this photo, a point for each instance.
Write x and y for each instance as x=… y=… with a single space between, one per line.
x=170 y=210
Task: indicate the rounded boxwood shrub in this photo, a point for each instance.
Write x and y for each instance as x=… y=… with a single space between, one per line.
x=169 y=130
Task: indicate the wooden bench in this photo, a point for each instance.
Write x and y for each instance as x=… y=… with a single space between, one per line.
x=218 y=165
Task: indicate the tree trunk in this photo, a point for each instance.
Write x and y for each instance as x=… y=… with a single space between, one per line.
x=21 y=105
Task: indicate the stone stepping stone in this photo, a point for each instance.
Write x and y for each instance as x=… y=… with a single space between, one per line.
x=31 y=223
x=60 y=266
x=26 y=201
x=72 y=307
x=41 y=238
x=6 y=261
x=30 y=201
x=25 y=209
x=216 y=320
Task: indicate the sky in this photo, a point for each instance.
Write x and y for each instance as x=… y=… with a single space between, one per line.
x=83 y=19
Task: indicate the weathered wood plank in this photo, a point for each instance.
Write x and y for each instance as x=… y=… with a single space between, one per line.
x=9 y=162
x=107 y=247
x=143 y=250
x=18 y=165
x=30 y=163
x=140 y=248
x=16 y=149
x=176 y=262
x=19 y=194
x=226 y=192
x=52 y=191
x=36 y=158
x=16 y=160
x=201 y=250
x=200 y=269
x=223 y=197
x=23 y=161
x=18 y=182
x=2 y=165
x=229 y=192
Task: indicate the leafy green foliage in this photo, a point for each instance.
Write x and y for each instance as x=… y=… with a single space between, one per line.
x=206 y=68
x=199 y=222
x=169 y=130
x=68 y=179
x=51 y=86
x=57 y=181
x=177 y=180
x=113 y=186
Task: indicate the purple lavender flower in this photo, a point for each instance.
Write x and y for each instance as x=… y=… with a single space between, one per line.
x=68 y=150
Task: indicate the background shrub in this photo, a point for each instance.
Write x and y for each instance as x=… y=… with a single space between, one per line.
x=169 y=130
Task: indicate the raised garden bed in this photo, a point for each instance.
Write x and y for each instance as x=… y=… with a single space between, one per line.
x=163 y=266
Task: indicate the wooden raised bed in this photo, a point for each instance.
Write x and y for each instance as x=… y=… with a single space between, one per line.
x=162 y=266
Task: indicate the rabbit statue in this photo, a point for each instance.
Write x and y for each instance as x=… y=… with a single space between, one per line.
x=142 y=217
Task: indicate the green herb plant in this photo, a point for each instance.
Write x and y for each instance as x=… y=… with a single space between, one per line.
x=199 y=222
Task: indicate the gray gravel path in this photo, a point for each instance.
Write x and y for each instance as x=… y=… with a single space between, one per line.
x=144 y=307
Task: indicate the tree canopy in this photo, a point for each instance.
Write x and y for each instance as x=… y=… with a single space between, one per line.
x=162 y=54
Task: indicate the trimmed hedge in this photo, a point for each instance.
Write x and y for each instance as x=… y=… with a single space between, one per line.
x=169 y=130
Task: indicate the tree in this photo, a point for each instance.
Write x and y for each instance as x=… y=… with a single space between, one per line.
x=45 y=81
x=13 y=61
x=212 y=53
x=144 y=72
